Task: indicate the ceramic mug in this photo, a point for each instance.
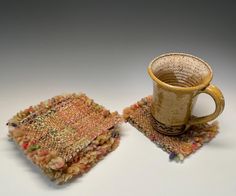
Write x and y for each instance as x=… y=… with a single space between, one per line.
x=178 y=79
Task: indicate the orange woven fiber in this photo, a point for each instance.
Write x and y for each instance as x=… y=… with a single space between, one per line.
x=178 y=147
x=66 y=135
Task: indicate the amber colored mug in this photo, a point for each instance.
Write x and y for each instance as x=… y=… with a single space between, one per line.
x=178 y=79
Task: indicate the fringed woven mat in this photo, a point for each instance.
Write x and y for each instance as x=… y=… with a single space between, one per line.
x=66 y=135
x=178 y=147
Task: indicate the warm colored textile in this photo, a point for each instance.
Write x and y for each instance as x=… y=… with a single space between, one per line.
x=65 y=135
x=178 y=147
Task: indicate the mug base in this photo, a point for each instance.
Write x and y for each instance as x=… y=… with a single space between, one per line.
x=168 y=130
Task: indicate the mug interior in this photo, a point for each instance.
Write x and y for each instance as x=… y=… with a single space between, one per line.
x=181 y=70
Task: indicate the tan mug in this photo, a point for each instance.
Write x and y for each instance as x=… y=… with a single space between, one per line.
x=178 y=79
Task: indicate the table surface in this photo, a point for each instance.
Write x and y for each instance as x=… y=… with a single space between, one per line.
x=103 y=53
x=137 y=167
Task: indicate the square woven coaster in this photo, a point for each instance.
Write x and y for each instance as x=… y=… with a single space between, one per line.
x=65 y=135
x=178 y=147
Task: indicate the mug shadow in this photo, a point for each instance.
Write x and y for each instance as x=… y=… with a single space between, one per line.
x=219 y=144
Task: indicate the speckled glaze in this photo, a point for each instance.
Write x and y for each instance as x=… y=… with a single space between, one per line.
x=178 y=79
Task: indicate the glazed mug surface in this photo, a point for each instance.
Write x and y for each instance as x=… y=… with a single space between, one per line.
x=178 y=79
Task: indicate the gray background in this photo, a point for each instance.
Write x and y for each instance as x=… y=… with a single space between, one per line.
x=103 y=48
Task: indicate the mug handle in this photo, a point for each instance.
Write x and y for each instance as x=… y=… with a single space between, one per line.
x=218 y=97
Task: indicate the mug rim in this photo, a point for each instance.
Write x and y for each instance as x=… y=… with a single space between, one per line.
x=172 y=87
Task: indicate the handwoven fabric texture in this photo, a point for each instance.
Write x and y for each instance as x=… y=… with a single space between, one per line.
x=178 y=147
x=65 y=135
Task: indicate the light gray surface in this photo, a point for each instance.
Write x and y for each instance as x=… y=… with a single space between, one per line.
x=104 y=50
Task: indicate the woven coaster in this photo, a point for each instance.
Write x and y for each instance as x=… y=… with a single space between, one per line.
x=178 y=147
x=66 y=135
